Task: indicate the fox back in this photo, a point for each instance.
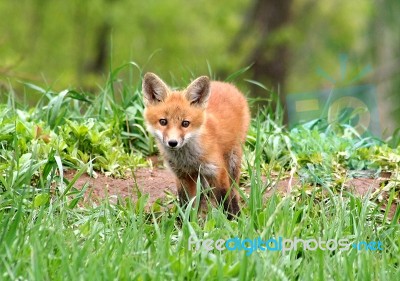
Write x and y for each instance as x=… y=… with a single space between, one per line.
x=199 y=131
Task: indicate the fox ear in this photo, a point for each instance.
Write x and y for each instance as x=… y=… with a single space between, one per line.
x=154 y=89
x=198 y=91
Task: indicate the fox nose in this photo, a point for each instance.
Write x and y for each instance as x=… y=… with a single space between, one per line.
x=172 y=143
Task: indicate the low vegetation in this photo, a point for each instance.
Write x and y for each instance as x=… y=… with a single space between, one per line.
x=47 y=233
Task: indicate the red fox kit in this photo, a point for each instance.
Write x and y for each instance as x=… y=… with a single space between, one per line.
x=199 y=132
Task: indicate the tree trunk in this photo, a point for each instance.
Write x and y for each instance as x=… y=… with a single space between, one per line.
x=270 y=59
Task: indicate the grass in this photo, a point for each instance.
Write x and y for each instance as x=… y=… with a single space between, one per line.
x=46 y=234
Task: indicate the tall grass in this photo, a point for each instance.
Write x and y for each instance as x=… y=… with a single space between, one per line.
x=45 y=234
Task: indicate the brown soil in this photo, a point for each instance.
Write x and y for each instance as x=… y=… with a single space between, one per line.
x=158 y=183
x=154 y=182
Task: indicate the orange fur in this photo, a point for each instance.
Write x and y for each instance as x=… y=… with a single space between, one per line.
x=210 y=146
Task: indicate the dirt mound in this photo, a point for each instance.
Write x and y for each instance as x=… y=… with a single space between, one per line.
x=158 y=182
x=154 y=182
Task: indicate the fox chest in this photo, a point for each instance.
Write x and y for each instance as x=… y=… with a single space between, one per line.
x=187 y=161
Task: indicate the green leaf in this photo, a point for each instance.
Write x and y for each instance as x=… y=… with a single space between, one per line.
x=41 y=199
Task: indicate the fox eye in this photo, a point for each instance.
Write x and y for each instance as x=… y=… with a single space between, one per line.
x=185 y=124
x=163 y=122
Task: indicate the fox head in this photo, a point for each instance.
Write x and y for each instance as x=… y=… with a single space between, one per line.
x=174 y=117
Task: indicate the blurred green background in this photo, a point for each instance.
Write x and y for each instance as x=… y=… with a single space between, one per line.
x=292 y=46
